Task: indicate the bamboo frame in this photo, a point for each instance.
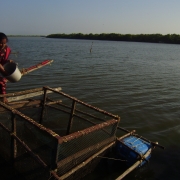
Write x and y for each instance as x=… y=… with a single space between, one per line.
x=73 y=108
x=126 y=135
x=13 y=141
x=75 y=115
x=73 y=112
x=61 y=163
x=86 y=131
x=22 y=105
x=84 y=163
x=21 y=92
x=43 y=106
x=151 y=142
x=15 y=138
x=85 y=104
x=31 y=121
x=133 y=133
x=65 y=111
x=135 y=165
x=54 y=175
x=26 y=94
x=68 y=107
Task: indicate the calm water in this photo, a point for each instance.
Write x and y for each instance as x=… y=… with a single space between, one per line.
x=138 y=81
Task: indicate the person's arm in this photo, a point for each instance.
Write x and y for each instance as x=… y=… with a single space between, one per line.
x=2 y=71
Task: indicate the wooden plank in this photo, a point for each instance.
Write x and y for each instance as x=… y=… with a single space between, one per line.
x=22 y=92
x=43 y=106
x=126 y=135
x=85 y=104
x=84 y=163
x=98 y=146
x=22 y=104
x=29 y=95
x=29 y=150
x=135 y=165
x=42 y=128
x=71 y=117
x=86 y=131
x=13 y=141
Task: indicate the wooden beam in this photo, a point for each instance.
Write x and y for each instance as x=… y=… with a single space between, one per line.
x=42 y=128
x=43 y=106
x=71 y=117
x=135 y=165
x=84 y=163
x=13 y=141
x=63 y=163
x=29 y=95
x=22 y=104
x=85 y=104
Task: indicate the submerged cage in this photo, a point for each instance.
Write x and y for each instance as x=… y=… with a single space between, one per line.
x=55 y=136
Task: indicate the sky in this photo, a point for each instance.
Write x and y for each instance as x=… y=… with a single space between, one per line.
x=44 y=17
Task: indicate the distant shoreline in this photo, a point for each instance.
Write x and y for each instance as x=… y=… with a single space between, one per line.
x=152 y=38
x=26 y=36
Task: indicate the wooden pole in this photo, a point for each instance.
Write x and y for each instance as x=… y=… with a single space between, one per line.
x=43 y=105
x=84 y=163
x=153 y=143
x=86 y=131
x=75 y=115
x=25 y=146
x=83 y=103
x=71 y=117
x=135 y=165
x=13 y=141
x=114 y=129
x=68 y=107
x=126 y=135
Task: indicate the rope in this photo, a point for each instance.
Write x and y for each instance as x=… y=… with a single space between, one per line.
x=136 y=140
x=111 y=158
x=50 y=177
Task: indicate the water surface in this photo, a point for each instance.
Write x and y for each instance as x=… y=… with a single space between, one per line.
x=138 y=81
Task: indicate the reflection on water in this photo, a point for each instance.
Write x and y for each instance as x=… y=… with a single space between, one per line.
x=138 y=81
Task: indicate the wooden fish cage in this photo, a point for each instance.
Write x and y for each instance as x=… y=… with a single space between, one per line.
x=48 y=138
x=48 y=134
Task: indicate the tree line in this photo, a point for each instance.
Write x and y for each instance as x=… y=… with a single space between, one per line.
x=153 y=38
x=26 y=36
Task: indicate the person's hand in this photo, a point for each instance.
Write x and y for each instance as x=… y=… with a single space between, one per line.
x=1 y=68
x=11 y=61
x=2 y=71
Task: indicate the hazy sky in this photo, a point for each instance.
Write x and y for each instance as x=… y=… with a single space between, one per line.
x=43 y=17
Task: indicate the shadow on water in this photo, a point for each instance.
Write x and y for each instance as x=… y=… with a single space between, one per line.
x=161 y=163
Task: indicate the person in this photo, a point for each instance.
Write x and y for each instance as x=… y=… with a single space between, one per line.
x=4 y=54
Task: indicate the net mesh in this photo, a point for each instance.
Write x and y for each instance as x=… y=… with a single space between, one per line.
x=76 y=151
x=70 y=133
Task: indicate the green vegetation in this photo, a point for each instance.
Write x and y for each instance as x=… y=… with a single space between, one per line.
x=153 y=38
x=26 y=36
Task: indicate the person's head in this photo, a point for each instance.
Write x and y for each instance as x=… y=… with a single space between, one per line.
x=3 y=40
